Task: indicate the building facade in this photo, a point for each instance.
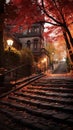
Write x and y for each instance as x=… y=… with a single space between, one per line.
x=32 y=38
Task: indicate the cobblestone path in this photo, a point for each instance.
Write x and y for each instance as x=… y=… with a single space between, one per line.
x=46 y=104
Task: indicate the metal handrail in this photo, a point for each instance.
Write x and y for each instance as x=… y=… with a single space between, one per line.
x=15 y=73
x=13 y=69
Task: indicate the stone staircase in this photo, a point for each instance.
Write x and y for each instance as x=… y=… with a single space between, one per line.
x=46 y=104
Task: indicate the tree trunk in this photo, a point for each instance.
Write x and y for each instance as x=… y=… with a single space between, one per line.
x=70 y=53
x=69 y=34
x=2 y=2
x=66 y=40
x=1 y=49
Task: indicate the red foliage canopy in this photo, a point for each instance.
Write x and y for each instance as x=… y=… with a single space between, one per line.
x=25 y=12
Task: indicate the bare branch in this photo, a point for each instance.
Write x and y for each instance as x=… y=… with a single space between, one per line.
x=49 y=23
x=44 y=10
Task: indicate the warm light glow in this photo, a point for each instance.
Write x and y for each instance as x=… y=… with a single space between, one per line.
x=44 y=60
x=10 y=42
x=7 y=1
x=56 y=59
x=63 y=59
x=52 y=53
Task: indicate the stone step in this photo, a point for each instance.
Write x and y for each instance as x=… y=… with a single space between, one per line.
x=47 y=114
x=52 y=88
x=51 y=93
x=46 y=98
x=52 y=80
x=55 y=79
x=44 y=92
x=43 y=104
x=26 y=120
x=56 y=84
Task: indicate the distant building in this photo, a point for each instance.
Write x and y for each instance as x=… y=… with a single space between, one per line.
x=32 y=38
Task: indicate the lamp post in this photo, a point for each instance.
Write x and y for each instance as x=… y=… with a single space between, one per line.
x=10 y=43
x=53 y=60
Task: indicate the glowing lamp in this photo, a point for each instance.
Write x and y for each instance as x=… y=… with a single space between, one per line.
x=10 y=43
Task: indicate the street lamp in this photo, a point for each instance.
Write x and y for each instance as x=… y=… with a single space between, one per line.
x=10 y=43
x=52 y=60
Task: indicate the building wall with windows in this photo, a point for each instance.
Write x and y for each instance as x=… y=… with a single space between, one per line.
x=33 y=37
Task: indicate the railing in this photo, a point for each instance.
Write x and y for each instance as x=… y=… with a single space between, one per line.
x=16 y=73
